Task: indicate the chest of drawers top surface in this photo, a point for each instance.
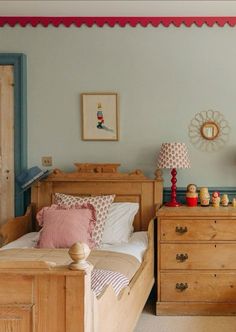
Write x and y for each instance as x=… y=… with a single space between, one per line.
x=197 y=211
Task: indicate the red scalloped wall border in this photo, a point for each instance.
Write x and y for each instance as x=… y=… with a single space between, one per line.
x=34 y=21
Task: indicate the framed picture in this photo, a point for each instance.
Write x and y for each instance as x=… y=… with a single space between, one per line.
x=99 y=116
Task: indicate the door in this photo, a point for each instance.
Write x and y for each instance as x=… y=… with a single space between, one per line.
x=6 y=143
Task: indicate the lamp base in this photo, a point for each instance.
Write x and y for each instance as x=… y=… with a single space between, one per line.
x=173 y=204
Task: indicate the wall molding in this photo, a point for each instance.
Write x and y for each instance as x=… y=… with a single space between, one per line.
x=181 y=191
x=122 y=21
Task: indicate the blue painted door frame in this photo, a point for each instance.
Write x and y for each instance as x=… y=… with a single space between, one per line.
x=18 y=60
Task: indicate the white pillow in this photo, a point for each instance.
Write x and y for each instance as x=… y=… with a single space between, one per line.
x=118 y=226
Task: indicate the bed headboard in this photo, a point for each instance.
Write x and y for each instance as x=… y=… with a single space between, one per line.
x=103 y=179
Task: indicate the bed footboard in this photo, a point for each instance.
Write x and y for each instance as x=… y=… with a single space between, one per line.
x=41 y=297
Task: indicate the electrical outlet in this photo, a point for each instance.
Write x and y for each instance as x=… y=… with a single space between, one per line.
x=47 y=161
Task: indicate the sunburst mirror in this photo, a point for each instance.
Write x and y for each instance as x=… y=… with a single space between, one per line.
x=209 y=131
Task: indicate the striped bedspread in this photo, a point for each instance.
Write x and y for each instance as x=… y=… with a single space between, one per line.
x=101 y=278
x=111 y=268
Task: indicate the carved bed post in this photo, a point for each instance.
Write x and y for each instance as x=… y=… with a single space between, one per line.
x=79 y=296
x=158 y=187
x=79 y=253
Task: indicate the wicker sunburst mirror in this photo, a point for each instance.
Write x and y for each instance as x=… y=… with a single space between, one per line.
x=209 y=131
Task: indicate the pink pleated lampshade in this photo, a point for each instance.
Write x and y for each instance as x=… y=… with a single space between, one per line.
x=173 y=155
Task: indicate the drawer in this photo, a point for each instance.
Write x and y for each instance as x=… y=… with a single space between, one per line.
x=197 y=229
x=210 y=287
x=197 y=256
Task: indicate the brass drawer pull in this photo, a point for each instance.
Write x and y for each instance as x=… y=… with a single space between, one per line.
x=181 y=230
x=181 y=286
x=181 y=257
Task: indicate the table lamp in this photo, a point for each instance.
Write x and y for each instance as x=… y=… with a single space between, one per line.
x=173 y=155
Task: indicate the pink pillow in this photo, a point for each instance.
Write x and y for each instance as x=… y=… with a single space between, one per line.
x=63 y=227
x=101 y=204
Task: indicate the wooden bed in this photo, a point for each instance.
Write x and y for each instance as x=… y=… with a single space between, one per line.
x=35 y=296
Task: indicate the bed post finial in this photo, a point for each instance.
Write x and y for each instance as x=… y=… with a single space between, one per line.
x=79 y=253
x=158 y=174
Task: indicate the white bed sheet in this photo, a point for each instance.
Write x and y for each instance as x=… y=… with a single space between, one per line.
x=28 y=240
x=136 y=246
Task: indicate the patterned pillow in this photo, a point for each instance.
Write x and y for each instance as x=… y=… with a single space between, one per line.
x=100 y=203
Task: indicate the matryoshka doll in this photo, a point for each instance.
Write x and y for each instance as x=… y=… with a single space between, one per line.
x=234 y=202
x=204 y=196
x=225 y=200
x=191 y=195
x=215 y=199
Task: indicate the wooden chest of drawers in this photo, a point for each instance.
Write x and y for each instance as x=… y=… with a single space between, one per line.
x=196 y=267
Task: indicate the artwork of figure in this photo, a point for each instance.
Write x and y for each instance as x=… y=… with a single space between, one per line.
x=100 y=118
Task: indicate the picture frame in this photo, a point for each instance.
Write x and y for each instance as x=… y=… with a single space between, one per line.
x=99 y=112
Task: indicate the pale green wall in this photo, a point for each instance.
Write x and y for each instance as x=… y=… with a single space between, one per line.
x=163 y=77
